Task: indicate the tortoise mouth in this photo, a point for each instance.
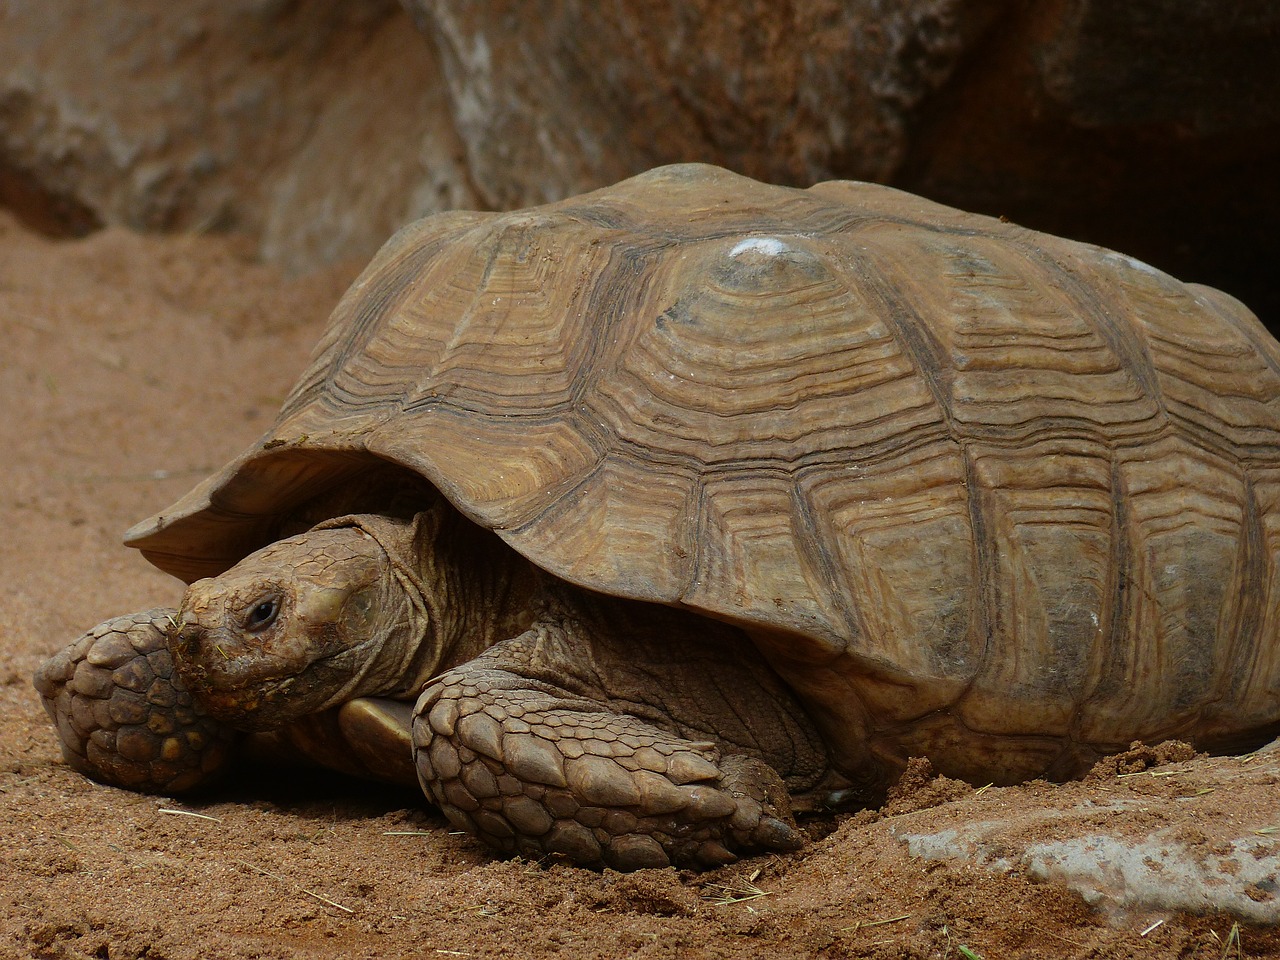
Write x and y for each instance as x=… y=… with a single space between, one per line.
x=260 y=693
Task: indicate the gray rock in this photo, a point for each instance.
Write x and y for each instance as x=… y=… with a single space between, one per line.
x=1113 y=853
x=553 y=98
x=318 y=127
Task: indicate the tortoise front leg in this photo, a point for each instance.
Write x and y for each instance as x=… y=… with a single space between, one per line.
x=122 y=714
x=513 y=755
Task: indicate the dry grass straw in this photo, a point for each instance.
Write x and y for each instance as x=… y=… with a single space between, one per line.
x=737 y=890
x=1233 y=941
x=188 y=813
x=297 y=887
x=867 y=924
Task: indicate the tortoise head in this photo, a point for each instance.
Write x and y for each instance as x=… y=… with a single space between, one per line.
x=292 y=629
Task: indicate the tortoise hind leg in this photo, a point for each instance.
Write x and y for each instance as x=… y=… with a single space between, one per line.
x=513 y=755
x=122 y=715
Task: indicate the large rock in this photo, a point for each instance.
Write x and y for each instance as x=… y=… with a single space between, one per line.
x=1150 y=125
x=553 y=97
x=319 y=126
x=1200 y=65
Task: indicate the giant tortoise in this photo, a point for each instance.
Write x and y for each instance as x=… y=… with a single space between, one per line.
x=632 y=525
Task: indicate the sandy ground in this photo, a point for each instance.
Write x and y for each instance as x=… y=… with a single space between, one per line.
x=131 y=367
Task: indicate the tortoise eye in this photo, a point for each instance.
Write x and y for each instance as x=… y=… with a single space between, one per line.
x=262 y=615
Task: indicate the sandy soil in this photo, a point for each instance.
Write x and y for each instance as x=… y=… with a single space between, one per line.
x=131 y=367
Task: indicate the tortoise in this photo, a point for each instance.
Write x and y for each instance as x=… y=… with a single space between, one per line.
x=634 y=526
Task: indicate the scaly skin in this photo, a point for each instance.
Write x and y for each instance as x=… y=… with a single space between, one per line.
x=124 y=716
x=532 y=771
x=600 y=730
x=619 y=735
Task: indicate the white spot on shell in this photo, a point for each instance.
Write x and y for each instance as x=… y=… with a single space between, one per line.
x=765 y=246
x=1134 y=263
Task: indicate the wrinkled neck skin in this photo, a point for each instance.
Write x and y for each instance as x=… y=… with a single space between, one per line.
x=360 y=605
x=462 y=590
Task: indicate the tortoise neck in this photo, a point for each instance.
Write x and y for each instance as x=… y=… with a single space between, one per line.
x=485 y=589
x=465 y=590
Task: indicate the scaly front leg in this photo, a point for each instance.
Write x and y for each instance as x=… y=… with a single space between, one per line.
x=518 y=749
x=123 y=716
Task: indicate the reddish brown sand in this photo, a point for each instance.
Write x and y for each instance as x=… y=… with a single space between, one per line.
x=131 y=367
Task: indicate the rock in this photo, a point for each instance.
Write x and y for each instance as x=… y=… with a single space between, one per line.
x=1140 y=844
x=1151 y=127
x=1195 y=63
x=1155 y=872
x=553 y=98
x=317 y=127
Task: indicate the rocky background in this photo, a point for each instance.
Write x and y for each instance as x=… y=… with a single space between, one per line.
x=318 y=126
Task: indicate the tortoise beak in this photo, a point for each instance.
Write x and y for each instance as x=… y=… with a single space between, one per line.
x=221 y=693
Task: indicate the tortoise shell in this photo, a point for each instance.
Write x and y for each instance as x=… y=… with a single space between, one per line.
x=977 y=480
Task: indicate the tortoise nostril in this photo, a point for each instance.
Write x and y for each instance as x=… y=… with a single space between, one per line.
x=187 y=638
